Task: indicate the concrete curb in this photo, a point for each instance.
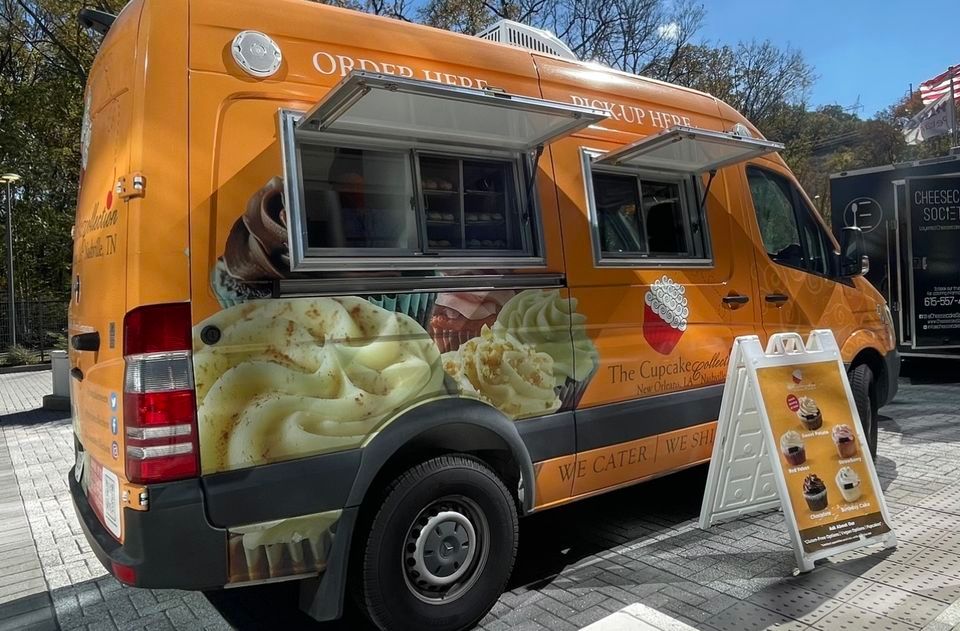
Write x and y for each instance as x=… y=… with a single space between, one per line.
x=6 y=370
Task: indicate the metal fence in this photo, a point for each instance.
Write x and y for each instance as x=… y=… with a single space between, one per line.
x=41 y=325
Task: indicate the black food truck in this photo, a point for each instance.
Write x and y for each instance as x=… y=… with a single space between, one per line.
x=910 y=217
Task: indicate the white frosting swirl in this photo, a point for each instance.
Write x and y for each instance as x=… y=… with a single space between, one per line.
x=808 y=407
x=790 y=439
x=290 y=378
x=500 y=369
x=546 y=320
x=847 y=476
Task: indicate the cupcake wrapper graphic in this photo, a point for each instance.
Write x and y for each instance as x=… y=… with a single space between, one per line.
x=847 y=448
x=665 y=315
x=797 y=457
x=812 y=423
x=571 y=391
x=816 y=501
x=277 y=559
x=231 y=291
x=851 y=495
x=418 y=306
x=452 y=340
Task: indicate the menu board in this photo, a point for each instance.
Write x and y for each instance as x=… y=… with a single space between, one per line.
x=934 y=213
x=788 y=436
x=822 y=455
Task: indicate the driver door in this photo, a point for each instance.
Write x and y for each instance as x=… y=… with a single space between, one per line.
x=797 y=280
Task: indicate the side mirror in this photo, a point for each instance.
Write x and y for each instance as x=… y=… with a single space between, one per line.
x=853 y=260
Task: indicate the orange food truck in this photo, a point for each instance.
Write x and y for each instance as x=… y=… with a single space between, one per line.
x=352 y=295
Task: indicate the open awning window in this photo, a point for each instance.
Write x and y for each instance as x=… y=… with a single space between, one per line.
x=688 y=150
x=384 y=106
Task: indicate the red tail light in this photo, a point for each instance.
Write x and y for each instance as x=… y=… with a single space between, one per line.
x=159 y=402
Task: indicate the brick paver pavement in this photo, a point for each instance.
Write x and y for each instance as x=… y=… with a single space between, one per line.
x=581 y=563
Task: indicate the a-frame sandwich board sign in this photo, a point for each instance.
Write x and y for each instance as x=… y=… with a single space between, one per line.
x=789 y=435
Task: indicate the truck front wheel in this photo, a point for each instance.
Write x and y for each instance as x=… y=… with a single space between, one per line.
x=440 y=548
x=862 y=385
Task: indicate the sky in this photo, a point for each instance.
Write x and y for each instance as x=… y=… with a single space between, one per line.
x=871 y=50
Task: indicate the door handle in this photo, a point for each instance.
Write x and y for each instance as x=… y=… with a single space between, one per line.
x=776 y=299
x=76 y=373
x=86 y=341
x=735 y=300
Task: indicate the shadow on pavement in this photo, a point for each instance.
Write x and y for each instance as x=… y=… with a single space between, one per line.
x=549 y=542
x=927 y=370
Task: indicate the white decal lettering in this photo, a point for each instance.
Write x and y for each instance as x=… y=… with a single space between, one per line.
x=328 y=59
x=366 y=64
x=346 y=64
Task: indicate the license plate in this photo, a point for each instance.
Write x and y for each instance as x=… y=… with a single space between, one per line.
x=104 y=496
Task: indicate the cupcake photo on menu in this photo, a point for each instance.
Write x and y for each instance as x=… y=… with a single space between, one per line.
x=845 y=441
x=809 y=414
x=815 y=492
x=849 y=484
x=791 y=446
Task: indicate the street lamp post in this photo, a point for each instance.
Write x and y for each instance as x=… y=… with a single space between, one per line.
x=8 y=179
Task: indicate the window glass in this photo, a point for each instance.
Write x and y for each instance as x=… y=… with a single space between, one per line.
x=773 y=202
x=645 y=217
x=471 y=204
x=617 y=205
x=664 y=218
x=357 y=198
x=369 y=202
x=791 y=234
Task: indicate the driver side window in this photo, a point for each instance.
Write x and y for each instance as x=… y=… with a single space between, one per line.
x=790 y=234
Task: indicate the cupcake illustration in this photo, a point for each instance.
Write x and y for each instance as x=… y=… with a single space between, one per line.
x=418 y=305
x=498 y=368
x=256 y=252
x=665 y=314
x=815 y=492
x=849 y=484
x=845 y=441
x=791 y=445
x=546 y=321
x=809 y=413
x=459 y=316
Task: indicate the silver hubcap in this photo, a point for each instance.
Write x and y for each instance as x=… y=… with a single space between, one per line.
x=445 y=549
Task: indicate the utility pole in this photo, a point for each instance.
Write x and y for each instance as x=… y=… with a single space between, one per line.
x=10 y=178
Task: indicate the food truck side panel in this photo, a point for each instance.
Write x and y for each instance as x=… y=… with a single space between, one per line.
x=879 y=197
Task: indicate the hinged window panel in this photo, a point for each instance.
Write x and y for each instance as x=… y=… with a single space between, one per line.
x=384 y=106
x=688 y=150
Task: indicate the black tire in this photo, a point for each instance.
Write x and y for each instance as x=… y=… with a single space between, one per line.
x=454 y=493
x=861 y=382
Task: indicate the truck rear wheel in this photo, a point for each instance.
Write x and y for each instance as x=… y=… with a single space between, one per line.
x=441 y=547
x=861 y=382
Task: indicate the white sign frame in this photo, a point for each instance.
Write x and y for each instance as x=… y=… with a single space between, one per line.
x=744 y=423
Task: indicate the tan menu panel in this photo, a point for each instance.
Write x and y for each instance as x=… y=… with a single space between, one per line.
x=824 y=463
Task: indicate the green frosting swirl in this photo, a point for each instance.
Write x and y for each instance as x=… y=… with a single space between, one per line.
x=546 y=320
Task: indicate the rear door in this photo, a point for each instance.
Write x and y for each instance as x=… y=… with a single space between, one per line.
x=98 y=300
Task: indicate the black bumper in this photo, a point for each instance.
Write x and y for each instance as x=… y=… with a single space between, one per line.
x=891 y=374
x=170 y=546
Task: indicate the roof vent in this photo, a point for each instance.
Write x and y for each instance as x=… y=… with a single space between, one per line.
x=523 y=36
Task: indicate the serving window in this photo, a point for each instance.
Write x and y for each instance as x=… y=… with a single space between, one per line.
x=388 y=172
x=641 y=218
x=645 y=201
